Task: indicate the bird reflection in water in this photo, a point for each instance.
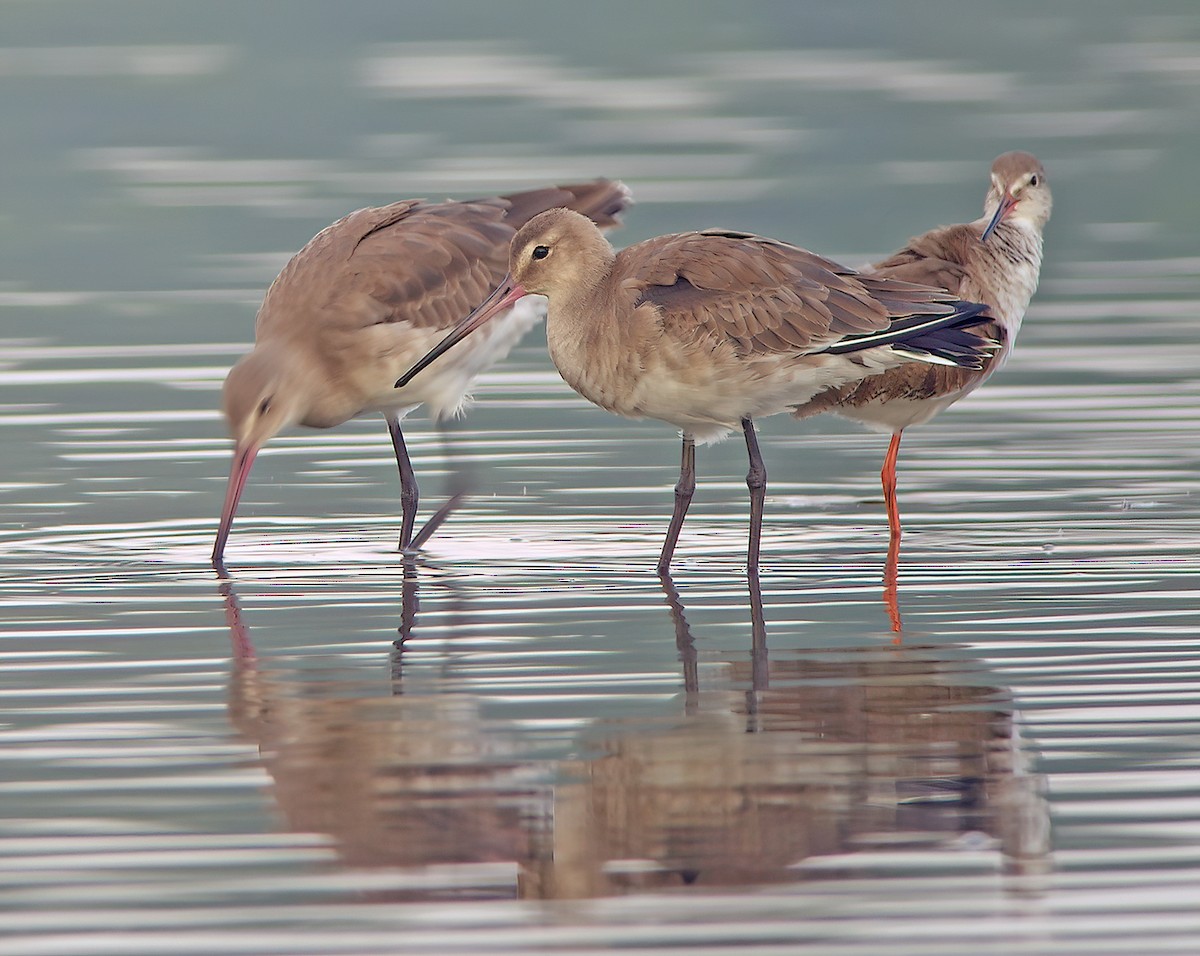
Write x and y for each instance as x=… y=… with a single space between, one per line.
x=802 y=765
x=398 y=781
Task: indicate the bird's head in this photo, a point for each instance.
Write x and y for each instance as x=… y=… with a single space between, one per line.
x=262 y=395
x=558 y=250
x=1019 y=192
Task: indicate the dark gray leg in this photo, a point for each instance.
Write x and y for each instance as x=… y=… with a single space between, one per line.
x=410 y=495
x=756 y=481
x=759 y=668
x=684 y=489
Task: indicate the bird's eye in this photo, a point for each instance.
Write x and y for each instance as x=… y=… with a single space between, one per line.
x=1034 y=180
x=540 y=252
x=264 y=407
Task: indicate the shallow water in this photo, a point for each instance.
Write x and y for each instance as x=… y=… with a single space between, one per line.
x=524 y=741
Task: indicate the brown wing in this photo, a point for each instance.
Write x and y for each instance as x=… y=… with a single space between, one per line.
x=435 y=266
x=412 y=262
x=424 y=264
x=763 y=295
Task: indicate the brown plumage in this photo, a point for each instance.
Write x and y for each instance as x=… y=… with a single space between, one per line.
x=995 y=260
x=709 y=330
x=367 y=296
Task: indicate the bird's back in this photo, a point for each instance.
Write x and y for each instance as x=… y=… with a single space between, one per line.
x=758 y=294
x=379 y=287
x=703 y=329
x=421 y=263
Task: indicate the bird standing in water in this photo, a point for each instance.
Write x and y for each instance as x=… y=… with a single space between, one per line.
x=362 y=301
x=709 y=330
x=994 y=260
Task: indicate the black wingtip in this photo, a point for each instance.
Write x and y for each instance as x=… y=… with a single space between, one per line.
x=949 y=338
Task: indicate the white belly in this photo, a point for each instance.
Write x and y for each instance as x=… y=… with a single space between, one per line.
x=444 y=385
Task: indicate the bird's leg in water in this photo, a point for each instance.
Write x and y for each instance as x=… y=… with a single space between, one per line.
x=458 y=485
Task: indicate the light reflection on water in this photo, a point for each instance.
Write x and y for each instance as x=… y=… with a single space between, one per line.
x=562 y=755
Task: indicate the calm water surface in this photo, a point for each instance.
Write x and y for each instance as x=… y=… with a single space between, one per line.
x=525 y=741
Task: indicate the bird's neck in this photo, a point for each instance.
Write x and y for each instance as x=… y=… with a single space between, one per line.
x=1009 y=266
x=585 y=336
x=577 y=303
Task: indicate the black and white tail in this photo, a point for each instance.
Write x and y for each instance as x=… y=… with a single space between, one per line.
x=951 y=337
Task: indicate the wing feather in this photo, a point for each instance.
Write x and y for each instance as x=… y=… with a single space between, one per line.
x=762 y=295
x=421 y=263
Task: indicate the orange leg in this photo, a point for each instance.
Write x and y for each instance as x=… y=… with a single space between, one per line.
x=891 y=579
x=891 y=573
x=889 y=487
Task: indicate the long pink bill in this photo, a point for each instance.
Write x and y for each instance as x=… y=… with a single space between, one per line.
x=502 y=299
x=1006 y=205
x=243 y=461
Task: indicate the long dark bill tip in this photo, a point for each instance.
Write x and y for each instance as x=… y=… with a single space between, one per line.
x=501 y=299
x=1006 y=203
x=243 y=461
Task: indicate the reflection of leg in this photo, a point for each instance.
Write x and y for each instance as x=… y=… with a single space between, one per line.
x=760 y=670
x=409 y=604
x=452 y=613
x=891 y=576
x=756 y=481
x=684 y=489
x=458 y=486
x=410 y=495
x=683 y=640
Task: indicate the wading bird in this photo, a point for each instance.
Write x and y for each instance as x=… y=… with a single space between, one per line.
x=362 y=301
x=994 y=260
x=709 y=330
